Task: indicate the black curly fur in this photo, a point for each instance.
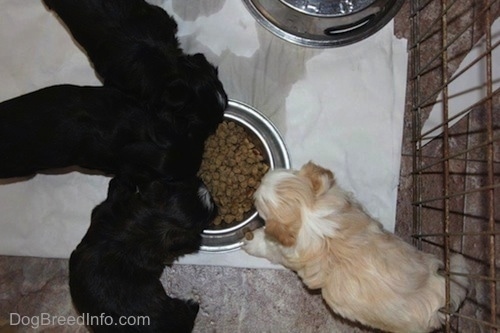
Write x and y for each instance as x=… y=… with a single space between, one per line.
x=133 y=46
x=115 y=270
x=97 y=128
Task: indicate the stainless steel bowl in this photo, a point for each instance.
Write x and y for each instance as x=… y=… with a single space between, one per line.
x=230 y=237
x=323 y=23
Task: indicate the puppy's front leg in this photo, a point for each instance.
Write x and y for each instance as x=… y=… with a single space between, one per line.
x=257 y=245
x=263 y=247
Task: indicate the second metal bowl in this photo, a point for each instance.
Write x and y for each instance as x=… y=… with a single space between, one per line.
x=323 y=23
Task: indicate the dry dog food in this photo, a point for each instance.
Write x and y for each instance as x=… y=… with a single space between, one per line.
x=232 y=167
x=249 y=235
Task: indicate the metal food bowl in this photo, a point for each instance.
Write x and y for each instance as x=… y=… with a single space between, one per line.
x=267 y=139
x=323 y=23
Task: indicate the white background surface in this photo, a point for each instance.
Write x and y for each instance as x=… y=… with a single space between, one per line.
x=340 y=107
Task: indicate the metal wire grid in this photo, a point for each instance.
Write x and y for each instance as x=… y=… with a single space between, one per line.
x=456 y=175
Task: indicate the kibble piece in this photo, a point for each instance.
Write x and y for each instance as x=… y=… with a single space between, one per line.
x=248 y=235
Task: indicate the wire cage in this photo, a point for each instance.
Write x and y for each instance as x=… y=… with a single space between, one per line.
x=454 y=111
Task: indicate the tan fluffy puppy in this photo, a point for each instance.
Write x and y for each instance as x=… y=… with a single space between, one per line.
x=365 y=273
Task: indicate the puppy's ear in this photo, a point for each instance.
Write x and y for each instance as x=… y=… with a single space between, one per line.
x=283 y=233
x=321 y=179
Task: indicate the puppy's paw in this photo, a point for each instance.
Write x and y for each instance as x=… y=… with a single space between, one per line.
x=193 y=306
x=256 y=245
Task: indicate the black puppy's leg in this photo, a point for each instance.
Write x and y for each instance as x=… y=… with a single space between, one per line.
x=178 y=316
x=193 y=306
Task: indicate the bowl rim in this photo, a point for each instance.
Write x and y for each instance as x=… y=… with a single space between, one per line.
x=240 y=113
x=366 y=27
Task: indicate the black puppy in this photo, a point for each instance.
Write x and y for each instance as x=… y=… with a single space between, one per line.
x=133 y=46
x=97 y=128
x=115 y=270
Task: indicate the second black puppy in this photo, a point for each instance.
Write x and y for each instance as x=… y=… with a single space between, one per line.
x=97 y=128
x=115 y=270
x=133 y=46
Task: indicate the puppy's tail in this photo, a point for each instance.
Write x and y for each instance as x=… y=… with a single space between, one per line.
x=459 y=282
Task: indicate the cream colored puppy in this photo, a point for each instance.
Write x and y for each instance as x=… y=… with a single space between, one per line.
x=365 y=273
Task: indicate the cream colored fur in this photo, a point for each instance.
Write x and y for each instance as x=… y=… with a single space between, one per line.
x=365 y=273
